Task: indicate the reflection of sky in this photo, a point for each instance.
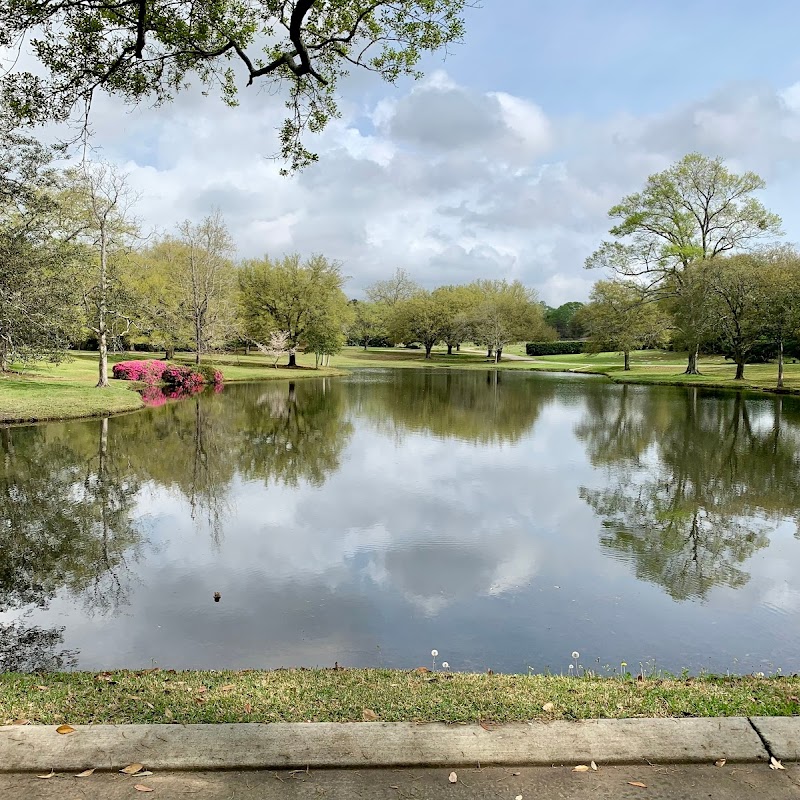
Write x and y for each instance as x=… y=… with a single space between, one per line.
x=486 y=553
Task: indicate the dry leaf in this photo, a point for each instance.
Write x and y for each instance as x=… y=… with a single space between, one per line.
x=593 y=766
x=132 y=769
x=227 y=687
x=167 y=713
x=637 y=784
x=485 y=726
x=43 y=688
x=45 y=777
x=518 y=797
x=142 y=788
x=64 y=729
x=144 y=773
x=515 y=774
x=86 y=773
x=720 y=763
x=775 y=764
x=21 y=722
x=201 y=689
x=421 y=670
x=453 y=778
x=368 y=715
x=247 y=708
x=580 y=768
x=548 y=707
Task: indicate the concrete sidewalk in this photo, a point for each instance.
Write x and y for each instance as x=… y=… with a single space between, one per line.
x=689 y=782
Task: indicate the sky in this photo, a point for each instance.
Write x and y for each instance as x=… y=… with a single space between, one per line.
x=502 y=162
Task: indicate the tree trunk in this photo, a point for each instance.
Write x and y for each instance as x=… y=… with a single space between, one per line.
x=691 y=368
x=627 y=366
x=4 y=356
x=739 y=371
x=780 y=364
x=170 y=354
x=428 y=348
x=449 y=349
x=102 y=339
x=292 y=359
x=458 y=347
x=366 y=342
x=498 y=355
x=490 y=353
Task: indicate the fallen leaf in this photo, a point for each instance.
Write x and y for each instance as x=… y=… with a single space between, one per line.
x=548 y=707
x=201 y=689
x=51 y=774
x=580 y=768
x=21 y=722
x=775 y=764
x=485 y=726
x=144 y=773
x=247 y=708
x=132 y=769
x=453 y=778
x=86 y=773
x=637 y=784
x=142 y=788
x=593 y=766
x=720 y=763
x=64 y=729
x=43 y=688
x=518 y=797
x=167 y=713
x=421 y=670
x=227 y=687
x=515 y=774
x=368 y=715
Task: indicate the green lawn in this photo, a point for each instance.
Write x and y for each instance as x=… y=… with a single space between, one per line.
x=394 y=696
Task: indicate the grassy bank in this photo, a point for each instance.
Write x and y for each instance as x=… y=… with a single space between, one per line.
x=393 y=696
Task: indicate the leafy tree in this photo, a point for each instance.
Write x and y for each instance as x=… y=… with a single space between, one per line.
x=38 y=295
x=458 y=304
x=205 y=280
x=369 y=322
x=566 y=320
x=150 y=49
x=292 y=296
x=506 y=313
x=619 y=317
x=393 y=290
x=420 y=318
x=692 y=212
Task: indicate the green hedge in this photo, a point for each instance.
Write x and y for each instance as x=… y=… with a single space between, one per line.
x=562 y=348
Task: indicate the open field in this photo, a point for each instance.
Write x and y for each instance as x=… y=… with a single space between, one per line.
x=320 y=695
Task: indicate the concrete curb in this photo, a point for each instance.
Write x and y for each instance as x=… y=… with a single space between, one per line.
x=781 y=735
x=320 y=745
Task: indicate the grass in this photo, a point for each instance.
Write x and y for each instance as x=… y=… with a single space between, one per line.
x=343 y=696
x=48 y=391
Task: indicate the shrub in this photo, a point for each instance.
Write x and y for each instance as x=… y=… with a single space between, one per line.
x=562 y=348
x=150 y=370
x=182 y=378
x=210 y=374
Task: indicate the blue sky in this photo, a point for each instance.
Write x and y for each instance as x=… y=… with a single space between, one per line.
x=504 y=160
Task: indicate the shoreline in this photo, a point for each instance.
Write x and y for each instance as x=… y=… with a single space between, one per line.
x=65 y=399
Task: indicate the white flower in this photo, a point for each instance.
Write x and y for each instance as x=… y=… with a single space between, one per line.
x=576 y=654
x=445 y=665
x=434 y=653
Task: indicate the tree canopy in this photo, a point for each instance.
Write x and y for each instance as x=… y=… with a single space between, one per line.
x=152 y=49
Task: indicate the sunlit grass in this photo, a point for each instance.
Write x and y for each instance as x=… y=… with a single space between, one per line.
x=394 y=696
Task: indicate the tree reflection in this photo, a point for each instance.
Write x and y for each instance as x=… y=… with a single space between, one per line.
x=33 y=649
x=66 y=501
x=696 y=486
x=483 y=407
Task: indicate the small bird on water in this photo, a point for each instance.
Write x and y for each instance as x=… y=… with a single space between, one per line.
x=217 y=597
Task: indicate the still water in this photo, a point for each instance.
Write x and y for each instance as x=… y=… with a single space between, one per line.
x=504 y=519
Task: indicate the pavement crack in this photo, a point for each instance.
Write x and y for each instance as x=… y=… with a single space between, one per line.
x=770 y=754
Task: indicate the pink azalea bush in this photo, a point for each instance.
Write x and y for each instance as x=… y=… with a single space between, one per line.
x=154 y=396
x=149 y=370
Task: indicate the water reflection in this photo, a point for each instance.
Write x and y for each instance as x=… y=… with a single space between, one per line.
x=694 y=487
x=34 y=649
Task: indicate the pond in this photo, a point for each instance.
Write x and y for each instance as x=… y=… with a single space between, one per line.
x=504 y=519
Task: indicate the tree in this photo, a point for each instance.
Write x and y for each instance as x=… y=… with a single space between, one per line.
x=457 y=304
x=566 y=320
x=38 y=295
x=149 y=50
x=206 y=280
x=100 y=213
x=291 y=296
x=781 y=299
x=692 y=212
x=393 y=290
x=506 y=313
x=619 y=317
x=369 y=322
x=737 y=307
x=420 y=318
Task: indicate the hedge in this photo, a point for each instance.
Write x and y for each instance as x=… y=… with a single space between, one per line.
x=562 y=348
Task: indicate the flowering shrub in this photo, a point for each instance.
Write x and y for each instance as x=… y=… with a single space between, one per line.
x=150 y=370
x=184 y=378
x=154 y=396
